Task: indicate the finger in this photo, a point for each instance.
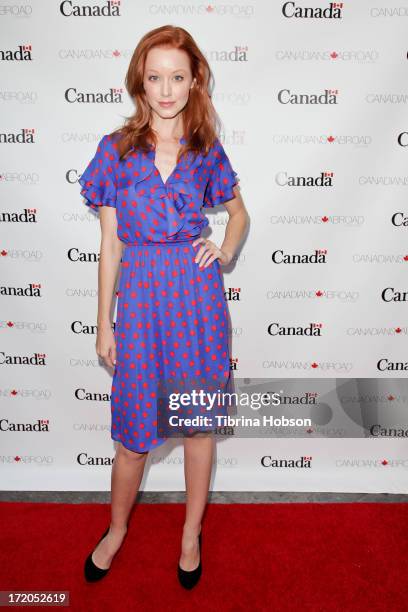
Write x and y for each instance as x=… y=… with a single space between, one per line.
x=200 y=253
x=107 y=360
x=202 y=242
x=195 y=242
x=205 y=258
x=210 y=260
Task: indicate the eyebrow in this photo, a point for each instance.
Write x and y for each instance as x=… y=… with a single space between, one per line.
x=178 y=70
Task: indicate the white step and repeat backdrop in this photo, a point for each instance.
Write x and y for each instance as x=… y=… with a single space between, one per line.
x=312 y=97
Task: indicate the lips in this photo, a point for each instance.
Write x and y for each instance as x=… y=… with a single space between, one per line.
x=166 y=103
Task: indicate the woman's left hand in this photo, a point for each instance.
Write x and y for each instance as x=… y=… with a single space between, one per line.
x=208 y=252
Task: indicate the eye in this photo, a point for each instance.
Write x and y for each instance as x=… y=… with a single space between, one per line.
x=154 y=77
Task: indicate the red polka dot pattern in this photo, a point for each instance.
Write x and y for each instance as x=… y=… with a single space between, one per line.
x=172 y=317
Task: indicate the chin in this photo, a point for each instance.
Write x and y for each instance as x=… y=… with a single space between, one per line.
x=167 y=112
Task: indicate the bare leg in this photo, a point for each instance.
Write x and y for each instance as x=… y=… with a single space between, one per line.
x=127 y=474
x=198 y=454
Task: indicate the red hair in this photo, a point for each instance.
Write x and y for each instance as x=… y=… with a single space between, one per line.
x=200 y=120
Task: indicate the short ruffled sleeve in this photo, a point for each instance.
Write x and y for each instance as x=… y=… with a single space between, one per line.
x=222 y=178
x=98 y=181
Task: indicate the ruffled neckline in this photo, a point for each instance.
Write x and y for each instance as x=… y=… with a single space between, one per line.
x=184 y=171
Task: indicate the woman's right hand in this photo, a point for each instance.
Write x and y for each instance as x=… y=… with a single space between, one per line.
x=106 y=345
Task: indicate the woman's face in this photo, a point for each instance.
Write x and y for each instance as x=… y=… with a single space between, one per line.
x=167 y=78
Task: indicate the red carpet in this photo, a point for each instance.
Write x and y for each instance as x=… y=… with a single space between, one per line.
x=292 y=556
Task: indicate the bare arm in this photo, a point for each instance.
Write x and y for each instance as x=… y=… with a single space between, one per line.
x=110 y=255
x=234 y=231
x=236 y=226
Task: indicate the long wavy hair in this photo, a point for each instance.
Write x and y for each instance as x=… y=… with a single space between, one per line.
x=200 y=119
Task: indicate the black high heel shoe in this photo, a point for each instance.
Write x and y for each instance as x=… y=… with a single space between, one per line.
x=188 y=579
x=93 y=572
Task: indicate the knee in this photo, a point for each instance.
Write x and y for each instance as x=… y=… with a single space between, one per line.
x=122 y=451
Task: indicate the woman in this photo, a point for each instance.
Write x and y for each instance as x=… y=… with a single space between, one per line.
x=148 y=180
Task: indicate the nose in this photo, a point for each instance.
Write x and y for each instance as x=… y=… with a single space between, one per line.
x=166 y=87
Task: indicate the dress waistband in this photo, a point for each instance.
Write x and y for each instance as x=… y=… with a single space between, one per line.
x=160 y=244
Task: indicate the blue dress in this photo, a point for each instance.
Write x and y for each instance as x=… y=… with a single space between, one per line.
x=172 y=317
